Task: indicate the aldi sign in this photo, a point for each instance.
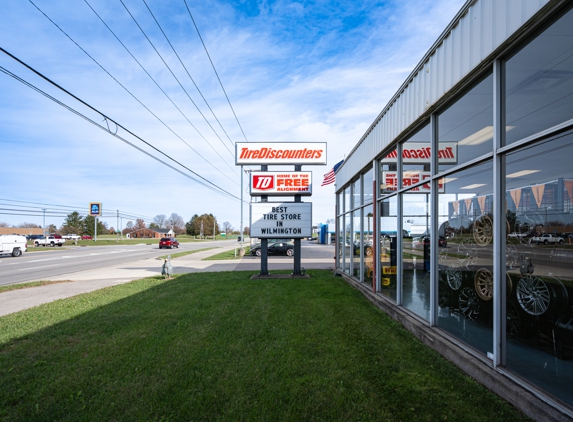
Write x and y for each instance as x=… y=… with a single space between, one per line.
x=281 y=220
x=280 y=183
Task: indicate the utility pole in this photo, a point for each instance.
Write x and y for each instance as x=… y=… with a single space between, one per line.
x=44 y=222
x=117 y=225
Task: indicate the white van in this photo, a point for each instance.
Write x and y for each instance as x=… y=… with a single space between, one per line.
x=13 y=244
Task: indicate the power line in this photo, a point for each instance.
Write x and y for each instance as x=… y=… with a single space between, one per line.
x=213 y=65
x=192 y=80
x=129 y=92
x=172 y=73
x=137 y=99
x=145 y=70
x=208 y=184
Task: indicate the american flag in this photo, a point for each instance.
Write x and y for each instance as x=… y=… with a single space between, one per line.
x=330 y=177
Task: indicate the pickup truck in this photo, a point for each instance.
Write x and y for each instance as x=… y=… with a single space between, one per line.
x=13 y=244
x=546 y=238
x=49 y=241
x=72 y=237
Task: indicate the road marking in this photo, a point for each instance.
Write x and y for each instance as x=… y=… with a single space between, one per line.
x=43 y=266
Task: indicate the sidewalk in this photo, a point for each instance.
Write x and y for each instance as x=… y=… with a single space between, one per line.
x=90 y=280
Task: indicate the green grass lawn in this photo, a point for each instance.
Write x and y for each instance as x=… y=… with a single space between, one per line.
x=220 y=346
x=233 y=254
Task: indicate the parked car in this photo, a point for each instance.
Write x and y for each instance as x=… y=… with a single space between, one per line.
x=56 y=235
x=546 y=239
x=442 y=242
x=168 y=242
x=87 y=237
x=516 y=235
x=286 y=248
x=72 y=237
x=13 y=244
x=49 y=241
x=34 y=236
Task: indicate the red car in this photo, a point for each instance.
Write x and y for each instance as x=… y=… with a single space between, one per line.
x=168 y=242
x=86 y=237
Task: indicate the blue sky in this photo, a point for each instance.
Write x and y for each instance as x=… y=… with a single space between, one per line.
x=294 y=71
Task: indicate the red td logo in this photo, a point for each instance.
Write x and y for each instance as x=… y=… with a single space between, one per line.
x=263 y=182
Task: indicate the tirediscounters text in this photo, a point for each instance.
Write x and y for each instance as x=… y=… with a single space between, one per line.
x=270 y=153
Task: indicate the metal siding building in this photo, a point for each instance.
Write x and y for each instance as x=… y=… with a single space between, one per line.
x=475 y=150
x=473 y=37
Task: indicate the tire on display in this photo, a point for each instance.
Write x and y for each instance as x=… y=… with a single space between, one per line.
x=483 y=282
x=16 y=252
x=454 y=277
x=468 y=303
x=290 y=252
x=513 y=321
x=483 y=230
x=536 y=296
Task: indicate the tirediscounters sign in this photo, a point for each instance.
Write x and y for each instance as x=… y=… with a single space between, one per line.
x=390 y=181
x=281 y=220
x=277 y=153
x=420 y=153
x=277 y=183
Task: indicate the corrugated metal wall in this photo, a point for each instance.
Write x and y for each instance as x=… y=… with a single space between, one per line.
x=480 y=27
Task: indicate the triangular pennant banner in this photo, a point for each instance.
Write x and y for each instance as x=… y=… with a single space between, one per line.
x=516 y=196
x=481 y=202
x=468 y=205
x=456 y=205
x=569 y=187
x=538 y=193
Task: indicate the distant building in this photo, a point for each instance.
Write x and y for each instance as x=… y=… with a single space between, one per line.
x=150 y=233
x=21 y=231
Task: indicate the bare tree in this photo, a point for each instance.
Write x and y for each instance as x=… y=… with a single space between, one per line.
x=161 y=221
x=177 y=223
x=227 y=227
x=2 y=224
x=28 y=226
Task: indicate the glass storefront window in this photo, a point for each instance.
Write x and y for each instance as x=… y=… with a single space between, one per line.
x=415 y=252
x=539 y=82
x=465 y=129
x=355 y=246
x=539 y=253
x=347 y=203
x=465 y=251
x=367 y=250
x=416 y=153
x=388 y=232
x=388 y=181
x=356 y=199
x=367 y=186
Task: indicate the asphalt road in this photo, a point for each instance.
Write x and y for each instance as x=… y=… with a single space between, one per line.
x=63 y=262
x=51 y=262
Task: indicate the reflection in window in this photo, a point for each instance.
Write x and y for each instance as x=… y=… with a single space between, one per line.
x=539 y=82
x=356 y=198
x=466 y=127
x=539 y=252
x=367 y=250
x=355 y=246
x=388 y=246
x=367 y=186
x=465 y=250
x=415 y=253
x=388 y=180
x=416 y=151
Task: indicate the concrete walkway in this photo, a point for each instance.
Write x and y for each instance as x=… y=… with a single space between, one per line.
x=90 y=280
